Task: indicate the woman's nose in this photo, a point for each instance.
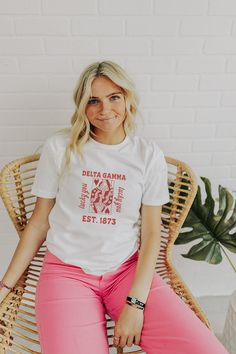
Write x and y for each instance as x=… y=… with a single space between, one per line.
x=105 y=106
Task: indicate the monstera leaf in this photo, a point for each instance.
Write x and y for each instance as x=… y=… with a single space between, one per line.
x=215 y=231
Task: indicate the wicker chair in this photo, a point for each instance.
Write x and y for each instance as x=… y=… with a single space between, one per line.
x=18 y=330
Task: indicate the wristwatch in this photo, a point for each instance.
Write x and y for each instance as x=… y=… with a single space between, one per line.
x=131 y=300
x=3 y=285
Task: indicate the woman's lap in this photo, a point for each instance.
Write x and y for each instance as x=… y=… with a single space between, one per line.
x=71 y=307
x=170 y=326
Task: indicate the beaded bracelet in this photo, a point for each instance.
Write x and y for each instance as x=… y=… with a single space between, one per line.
x=3 y=285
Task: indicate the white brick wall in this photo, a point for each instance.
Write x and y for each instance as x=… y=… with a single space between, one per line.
x=181 y=55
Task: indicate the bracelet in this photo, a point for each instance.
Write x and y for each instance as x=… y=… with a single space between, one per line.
x=133 y=301
x=3 y=285
x=133 y=305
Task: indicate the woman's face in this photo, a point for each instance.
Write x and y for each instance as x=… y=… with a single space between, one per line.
x=106 y=107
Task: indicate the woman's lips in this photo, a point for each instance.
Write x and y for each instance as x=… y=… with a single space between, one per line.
x=107 y=118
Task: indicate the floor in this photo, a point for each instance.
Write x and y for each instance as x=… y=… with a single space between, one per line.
x=215 y=308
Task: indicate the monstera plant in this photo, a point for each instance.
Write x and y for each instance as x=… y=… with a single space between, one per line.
x=215 y=232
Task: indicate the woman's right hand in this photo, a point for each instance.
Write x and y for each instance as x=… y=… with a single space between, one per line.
x=3 y=293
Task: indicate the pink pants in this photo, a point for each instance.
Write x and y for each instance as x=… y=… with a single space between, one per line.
x=71 y=305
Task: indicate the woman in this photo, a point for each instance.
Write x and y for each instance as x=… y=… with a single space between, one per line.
x=94 y=183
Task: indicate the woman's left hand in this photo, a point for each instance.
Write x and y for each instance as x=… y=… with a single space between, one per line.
x=128 y=327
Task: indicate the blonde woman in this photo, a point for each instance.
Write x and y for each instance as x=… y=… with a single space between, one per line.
x=94 y=183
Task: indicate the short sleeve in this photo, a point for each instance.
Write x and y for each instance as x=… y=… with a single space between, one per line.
x=46 y=179
x=155 y=191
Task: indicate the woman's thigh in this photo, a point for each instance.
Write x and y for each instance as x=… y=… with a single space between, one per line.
x=170 y=326
x=68 y=314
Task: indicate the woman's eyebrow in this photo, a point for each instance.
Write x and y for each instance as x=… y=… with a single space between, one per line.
x=113 y=93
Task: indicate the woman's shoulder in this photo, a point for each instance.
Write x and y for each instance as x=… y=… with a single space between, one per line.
x=58 y=139
x=150 y=145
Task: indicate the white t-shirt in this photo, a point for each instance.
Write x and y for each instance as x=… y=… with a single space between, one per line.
x=95 y=221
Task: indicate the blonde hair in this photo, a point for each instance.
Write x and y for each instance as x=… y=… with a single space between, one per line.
x=80 y=126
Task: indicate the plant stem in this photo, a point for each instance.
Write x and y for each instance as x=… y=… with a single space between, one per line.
x=233 y=266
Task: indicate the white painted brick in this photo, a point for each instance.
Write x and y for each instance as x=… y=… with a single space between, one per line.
x=234 y=28
x=41 y=133
x=154 y=132
x=69 y=7
x=177 y=46
x=212 y=171
x=45 y=64
x=79 y=63
x=226 y=45
x=150 y=65
x=23 y=84
x=180 y=7
x=151 y=26
x=218 y=82
x=150 y=100
x=68 y=83
x=205 y=26
x=41 y=25
x=233 y=171
x=224 y=158
x=6 y=26
x=231 y=65
x=125 y=7
x=213 y=145
x=200 y=64
x=228 y=99
x=171 y=116
x=17 y=150
x=8 y=134
x=174 y=82
x=219 y=115
x=196 y=99
x=222 y=7
x=172 y=146
x=228 y=183
x=19 y=46
x=4 y=161
x=71 y=46
x=193 y=131
x=8 y=65
x=37 y=101
x=194 y=159
x=227 y=130
x=35 y=118
x=6 y=229
x=98 y=26
x=20 y=7
x=141 y=82
x=62 y=83
x=125 y=46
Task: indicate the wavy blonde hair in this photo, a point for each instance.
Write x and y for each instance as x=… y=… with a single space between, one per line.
x=81 y=129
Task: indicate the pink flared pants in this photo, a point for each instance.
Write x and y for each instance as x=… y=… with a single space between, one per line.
x=70 y=309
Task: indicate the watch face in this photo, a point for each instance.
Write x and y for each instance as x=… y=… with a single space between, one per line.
x=133 y=301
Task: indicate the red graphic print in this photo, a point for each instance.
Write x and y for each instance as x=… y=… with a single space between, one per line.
x=101 y=196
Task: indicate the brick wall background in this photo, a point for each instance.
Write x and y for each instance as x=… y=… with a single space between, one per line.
x=182 y=57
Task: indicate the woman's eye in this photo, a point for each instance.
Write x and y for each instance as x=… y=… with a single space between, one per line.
x=94 y=101
x=115 y=96
x=91 y=101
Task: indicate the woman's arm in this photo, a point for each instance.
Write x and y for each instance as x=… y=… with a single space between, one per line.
x=149 y=251
x=130 y=319
x=32 y=238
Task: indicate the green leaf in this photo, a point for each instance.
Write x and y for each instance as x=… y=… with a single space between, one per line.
x=214 y=230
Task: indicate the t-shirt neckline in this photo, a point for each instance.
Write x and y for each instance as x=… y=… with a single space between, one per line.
x=97 y=144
